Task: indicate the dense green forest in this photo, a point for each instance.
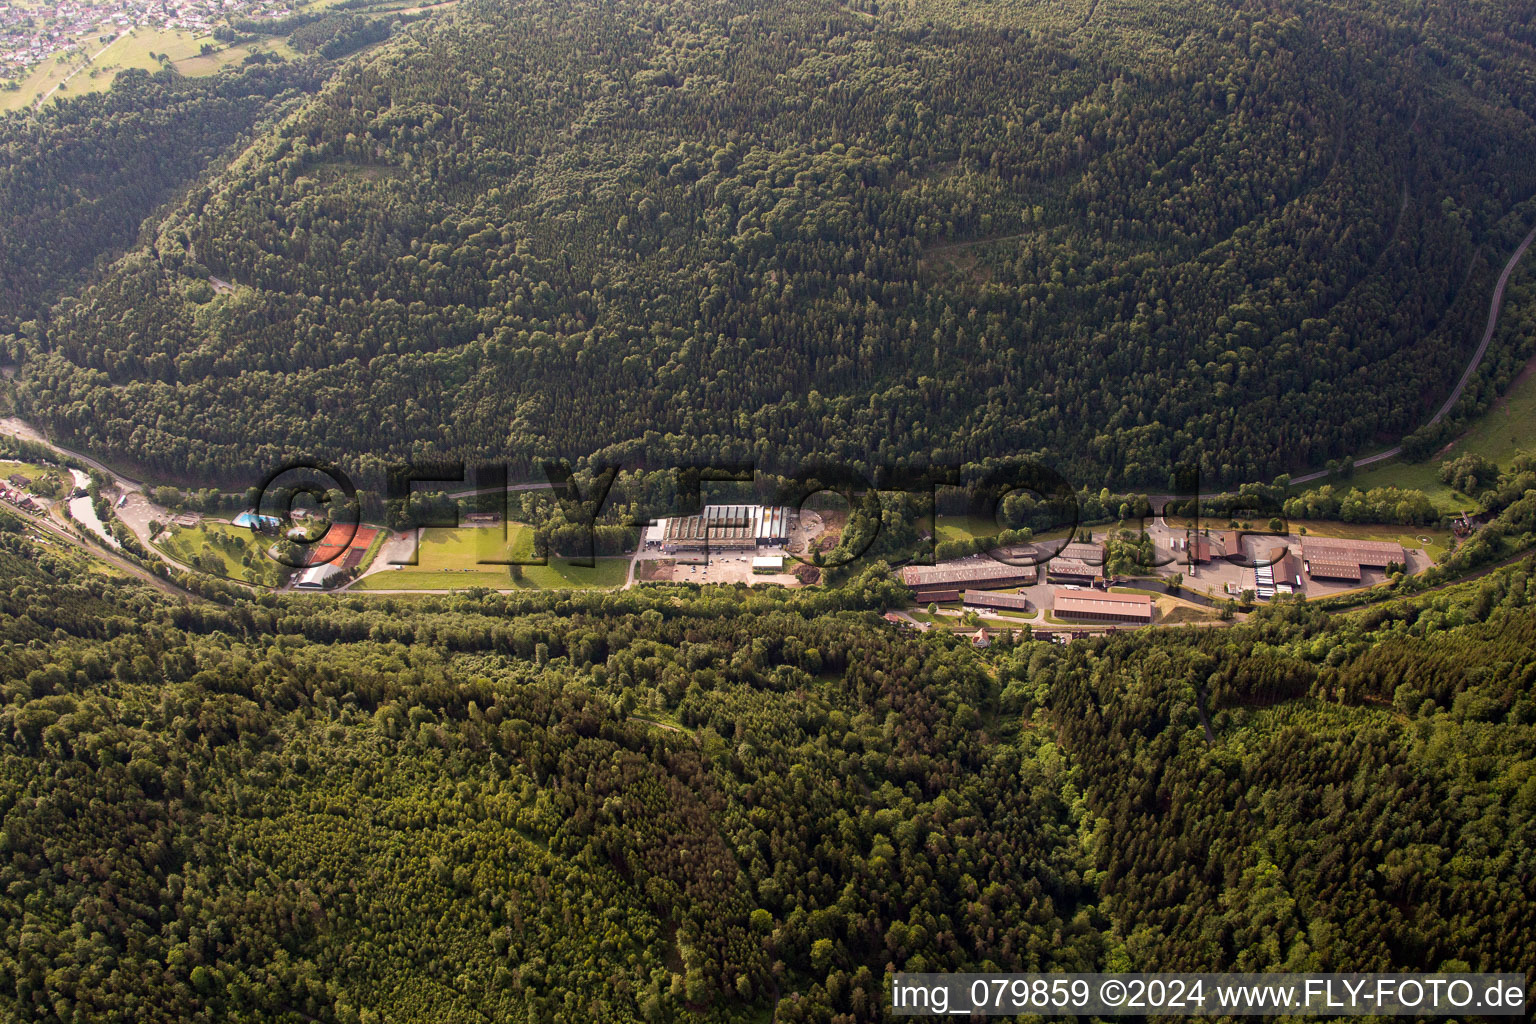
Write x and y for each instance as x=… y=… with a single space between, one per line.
x=677 y=804
x=1122 y=236
x=78 y=178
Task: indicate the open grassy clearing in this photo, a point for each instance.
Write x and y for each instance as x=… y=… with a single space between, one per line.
x=79 y=75
x=1409 y=476
x=1499 y=435
x=1171 y=612
x=46 y=481
x=230 y=551
x=967 y=527
x=94 y=66
x=453 y=559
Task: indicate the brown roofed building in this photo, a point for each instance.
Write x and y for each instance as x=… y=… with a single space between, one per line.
x=944 y=582
x=1231 y=543
x=1093 y=554
x=1333 y=569
x=1286 y=569
x=1337 y=558
x=1373 y=553
x=1097 y=607
x=996 y=599
x=1077 y=562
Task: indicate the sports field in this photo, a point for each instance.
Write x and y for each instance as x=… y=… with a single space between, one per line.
x=344 y=545
x=453 y=559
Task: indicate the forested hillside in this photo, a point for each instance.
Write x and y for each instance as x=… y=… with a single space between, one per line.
x=78 y=178
x=461 y=808
x=1118 y=234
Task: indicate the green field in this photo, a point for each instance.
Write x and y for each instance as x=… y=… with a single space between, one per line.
x=47 y=481
x=965 y=527
x=79 y=75
x=223 y=550
x=131 y=49
x=450 y=560
x=1417 y=476
x=1499 y=435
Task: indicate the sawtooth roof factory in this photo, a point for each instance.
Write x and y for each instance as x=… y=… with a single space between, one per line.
x=722 y=528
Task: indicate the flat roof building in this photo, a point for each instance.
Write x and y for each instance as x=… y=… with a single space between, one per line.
x=944 y=582
x=996 y=599
x=1097 y=607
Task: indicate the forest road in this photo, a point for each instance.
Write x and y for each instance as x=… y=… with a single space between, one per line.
x=1494 y=307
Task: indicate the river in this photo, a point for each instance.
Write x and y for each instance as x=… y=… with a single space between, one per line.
x=85 y=513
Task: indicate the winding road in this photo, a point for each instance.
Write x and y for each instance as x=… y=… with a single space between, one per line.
x=1494 y=307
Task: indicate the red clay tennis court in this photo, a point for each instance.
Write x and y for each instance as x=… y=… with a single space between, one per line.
x=340 y=540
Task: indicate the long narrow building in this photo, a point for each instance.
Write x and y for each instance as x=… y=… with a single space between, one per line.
x=1001 y=600
x=945 y=582
x=1092 y=606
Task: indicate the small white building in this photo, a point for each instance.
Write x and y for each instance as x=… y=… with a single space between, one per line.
x=315 y=577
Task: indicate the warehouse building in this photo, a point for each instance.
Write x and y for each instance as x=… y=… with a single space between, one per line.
x=1092 y=606
x=1281 y=574
x=1002 y=600
x=722 y=528
x=945 y=582
x=1077 y=563
x=1320 y=568
x=1203 y=549
x=1336 y=558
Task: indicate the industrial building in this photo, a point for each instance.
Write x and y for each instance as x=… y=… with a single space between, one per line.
x=944 y=582
x=721 y=528
x=1336 y=558
x=1077 y=563
x=1281 y=576
x=996 y=599
x=1093 y=606
x=1203 y=549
